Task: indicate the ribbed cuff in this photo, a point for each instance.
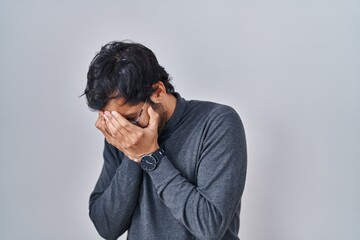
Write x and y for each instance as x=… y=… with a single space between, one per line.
x=130 y=168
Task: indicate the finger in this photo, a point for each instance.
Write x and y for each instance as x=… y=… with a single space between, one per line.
x=110 y=126
x=98 y=122
x=124 y=123
x=109 y=138
x=100 y=114
x=116 y=142
x=102 y=125
x=104 y=130
x=154 y=119
x=113 y=120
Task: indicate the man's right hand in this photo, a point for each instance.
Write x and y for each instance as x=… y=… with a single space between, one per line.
x=100 y=122
x=101 y=125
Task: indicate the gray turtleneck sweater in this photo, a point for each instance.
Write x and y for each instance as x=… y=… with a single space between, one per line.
x=194 y=193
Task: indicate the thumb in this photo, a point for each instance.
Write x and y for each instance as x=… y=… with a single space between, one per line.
x=154 y=119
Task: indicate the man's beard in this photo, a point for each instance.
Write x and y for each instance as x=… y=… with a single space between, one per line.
x=159 y=109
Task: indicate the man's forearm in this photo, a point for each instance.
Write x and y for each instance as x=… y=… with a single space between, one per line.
x=205 y=217
x=111 y=209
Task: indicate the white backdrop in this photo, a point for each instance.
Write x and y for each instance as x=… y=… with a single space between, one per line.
x=290 y=68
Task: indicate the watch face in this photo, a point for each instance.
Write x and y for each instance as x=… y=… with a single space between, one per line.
x=148 y=163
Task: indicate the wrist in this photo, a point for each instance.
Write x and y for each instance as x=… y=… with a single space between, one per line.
x=149 y=162
x=151 y=150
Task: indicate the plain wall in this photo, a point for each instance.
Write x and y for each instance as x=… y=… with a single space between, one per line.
x=290 y=68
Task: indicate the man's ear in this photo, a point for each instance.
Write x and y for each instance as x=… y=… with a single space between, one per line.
x=159 y=92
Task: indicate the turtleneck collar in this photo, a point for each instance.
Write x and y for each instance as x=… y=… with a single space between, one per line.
x=176 y=116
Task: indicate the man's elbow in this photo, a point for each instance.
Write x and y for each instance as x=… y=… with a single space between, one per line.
x=108 y=235
x=105 y=229
x=213 y=231
x=211 y=235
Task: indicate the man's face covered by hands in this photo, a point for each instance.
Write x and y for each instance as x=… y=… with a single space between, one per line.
x=133 y=129
x=131 y=112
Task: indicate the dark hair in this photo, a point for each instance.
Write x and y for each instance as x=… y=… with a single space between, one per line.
x=123 y=70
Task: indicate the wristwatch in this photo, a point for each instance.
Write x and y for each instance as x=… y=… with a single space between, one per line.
x=150 y=161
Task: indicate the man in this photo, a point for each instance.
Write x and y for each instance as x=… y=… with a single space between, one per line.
x=173 y=169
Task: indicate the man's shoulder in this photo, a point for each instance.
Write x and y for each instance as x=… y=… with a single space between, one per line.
x=215 y=120
x=210 y=108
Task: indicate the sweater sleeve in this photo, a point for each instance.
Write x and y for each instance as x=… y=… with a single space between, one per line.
x=207 y=207
x=114 y=198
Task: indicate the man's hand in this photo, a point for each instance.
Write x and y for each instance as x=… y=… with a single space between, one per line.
x=132 y=140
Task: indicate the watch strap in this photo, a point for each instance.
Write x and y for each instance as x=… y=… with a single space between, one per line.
x=158 y=154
